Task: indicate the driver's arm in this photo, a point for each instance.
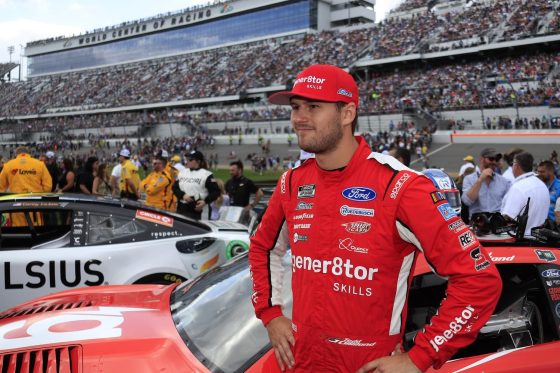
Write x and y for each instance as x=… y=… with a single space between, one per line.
x=453 y=252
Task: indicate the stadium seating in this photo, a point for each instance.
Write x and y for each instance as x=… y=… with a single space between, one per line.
x=521 y=79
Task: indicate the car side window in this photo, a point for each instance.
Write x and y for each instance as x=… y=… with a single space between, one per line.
x=34 y=229
x=111 y=228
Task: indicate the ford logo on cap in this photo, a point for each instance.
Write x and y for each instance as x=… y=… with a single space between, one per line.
x=551 y=273
x=359 y=194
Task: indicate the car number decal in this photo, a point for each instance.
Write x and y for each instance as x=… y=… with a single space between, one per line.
x=69 y=326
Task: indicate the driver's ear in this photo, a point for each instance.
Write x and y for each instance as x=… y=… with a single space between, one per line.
x=349 y=112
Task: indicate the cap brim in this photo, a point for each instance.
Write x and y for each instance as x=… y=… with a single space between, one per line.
x=284 y=97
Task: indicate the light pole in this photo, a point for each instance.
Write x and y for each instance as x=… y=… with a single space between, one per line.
x=514 y=97
x=11 y=50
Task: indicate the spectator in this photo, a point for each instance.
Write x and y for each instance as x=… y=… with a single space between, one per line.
x=53 y=168
x=195 y=187
x=129 y=179
x=459 y=183
x=469 y=162
x=483 y=191
x=84 y=184
x=508 y=160
x=177 y=164
x=557 y=212
x=101 y=183
x=239 y=188
x=67 y=181
x=172 y=172
x=157 y=185
x=116 y=179
x=217 y=206
x=545 y=172
x=401 y=154
x=526 y=188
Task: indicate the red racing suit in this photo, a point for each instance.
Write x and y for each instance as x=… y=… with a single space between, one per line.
x=354 y=236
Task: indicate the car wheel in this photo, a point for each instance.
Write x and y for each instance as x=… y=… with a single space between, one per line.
x=235 y=248
x=534 y=317
x=162 y=279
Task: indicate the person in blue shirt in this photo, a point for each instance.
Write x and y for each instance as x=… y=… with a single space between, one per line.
x=484 y=190
x=545 y=172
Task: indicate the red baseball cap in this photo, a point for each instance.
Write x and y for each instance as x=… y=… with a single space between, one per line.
x=322 y=83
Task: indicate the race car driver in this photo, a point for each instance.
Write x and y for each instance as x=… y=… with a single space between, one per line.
x=355 y=221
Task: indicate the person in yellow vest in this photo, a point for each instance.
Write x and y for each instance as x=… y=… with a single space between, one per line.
x=129 y=182
x=25 y=174
x=157 y=185
x=172 y=171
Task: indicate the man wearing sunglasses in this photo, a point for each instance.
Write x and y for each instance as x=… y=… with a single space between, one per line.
x=484 y=190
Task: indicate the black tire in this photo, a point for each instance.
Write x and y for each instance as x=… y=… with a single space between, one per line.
x=162 y=279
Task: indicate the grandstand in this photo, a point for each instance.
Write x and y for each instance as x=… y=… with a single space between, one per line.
x=208 y=70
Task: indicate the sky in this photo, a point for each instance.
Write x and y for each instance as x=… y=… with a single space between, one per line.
x=22 y=21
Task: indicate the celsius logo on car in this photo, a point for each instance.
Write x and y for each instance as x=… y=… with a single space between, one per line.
x=346 y=244
x=357 y=227
x=304 y=206
x=359 y=194
x=347 y=210
x=551 y=273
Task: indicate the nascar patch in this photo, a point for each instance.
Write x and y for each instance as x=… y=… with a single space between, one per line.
x=446 y=211
x=545 y=255
x=437 y=197
x=306 y=191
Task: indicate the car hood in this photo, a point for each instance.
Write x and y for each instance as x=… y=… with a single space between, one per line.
x=227 y=226
x=106 y=328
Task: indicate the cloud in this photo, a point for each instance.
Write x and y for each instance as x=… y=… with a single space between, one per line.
x=21 y=31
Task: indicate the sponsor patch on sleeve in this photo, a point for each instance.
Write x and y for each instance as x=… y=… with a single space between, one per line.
x=437 y=197
x=466 y=239
x=446 y=211
x=480 y=261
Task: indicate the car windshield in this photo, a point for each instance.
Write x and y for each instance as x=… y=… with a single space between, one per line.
x=215 y=317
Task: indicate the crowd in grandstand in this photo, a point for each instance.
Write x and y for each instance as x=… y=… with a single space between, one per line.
x=526 y=80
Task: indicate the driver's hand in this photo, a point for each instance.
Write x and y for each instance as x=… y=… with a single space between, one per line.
x=487 y=174
x=282 y=339
x=398 y=362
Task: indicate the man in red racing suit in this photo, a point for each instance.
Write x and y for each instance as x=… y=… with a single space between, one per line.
x=354 y=234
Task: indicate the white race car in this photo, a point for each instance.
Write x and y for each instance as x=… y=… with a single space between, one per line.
x=51 y=242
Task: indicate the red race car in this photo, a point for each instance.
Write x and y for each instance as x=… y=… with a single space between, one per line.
x=208 y=324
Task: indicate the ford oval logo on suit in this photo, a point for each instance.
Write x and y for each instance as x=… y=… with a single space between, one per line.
x=359 y=194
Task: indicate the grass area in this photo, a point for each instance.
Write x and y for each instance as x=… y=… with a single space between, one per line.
x=267 y=177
